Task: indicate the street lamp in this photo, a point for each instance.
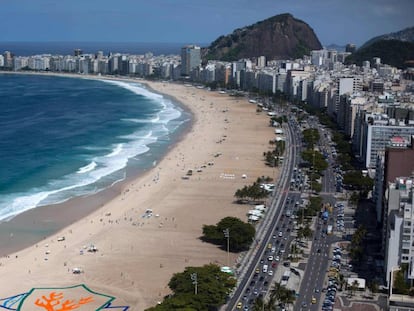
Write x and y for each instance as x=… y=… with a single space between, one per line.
x=227 y=235
x=195 y=282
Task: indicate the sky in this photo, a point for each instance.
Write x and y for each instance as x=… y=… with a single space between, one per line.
x=194 y=21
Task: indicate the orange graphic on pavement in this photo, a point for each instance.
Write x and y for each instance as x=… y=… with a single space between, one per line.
x=55 y=302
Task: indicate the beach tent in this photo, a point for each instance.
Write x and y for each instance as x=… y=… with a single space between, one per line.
x=261 y=208
x=255 y=213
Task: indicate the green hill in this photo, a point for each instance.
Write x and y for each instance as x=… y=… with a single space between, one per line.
x=392 y=52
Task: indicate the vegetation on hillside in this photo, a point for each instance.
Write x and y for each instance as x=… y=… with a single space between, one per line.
x=392 y=52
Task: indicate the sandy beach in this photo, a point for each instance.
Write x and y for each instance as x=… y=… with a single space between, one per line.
x=136 y=255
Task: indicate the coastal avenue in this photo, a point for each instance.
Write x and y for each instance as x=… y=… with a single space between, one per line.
x=250 y=284
x=273 y=236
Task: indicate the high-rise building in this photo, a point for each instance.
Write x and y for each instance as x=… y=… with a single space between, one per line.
x=77 y=52
x=261 y=61
x=399 y=227
x=7 y=59
x=351 y=48
x=190 y=59
x=376 y=133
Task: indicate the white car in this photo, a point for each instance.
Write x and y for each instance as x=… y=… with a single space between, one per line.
x=270 y=258
x=277 y=258
x=270 y=272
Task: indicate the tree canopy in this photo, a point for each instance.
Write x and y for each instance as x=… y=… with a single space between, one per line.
x=213 y=287
x=241 y=234
x=251 y=193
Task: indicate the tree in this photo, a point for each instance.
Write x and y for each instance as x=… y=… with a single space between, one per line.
x=356 y=251
x=241 y=234
x=311 y=137
x=400 y=286
x=355 y=180
x=341 y=281
x=280 y=294
x=252 y=193
x=213 y=289
x=354 y=287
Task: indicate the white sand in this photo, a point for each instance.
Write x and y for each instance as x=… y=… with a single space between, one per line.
x=137 y=256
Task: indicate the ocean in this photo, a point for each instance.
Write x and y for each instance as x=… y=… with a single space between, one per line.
x=67 y=137
x=67 y=48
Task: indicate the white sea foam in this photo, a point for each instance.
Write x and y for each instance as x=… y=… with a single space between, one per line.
x=117 y=150
x=99 y=167
x=87 y=168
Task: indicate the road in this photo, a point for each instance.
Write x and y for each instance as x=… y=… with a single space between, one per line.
x=273 y=235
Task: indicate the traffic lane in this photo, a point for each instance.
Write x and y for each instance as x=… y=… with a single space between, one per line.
x=275 y=204
x=260 y=281
x=315 y=275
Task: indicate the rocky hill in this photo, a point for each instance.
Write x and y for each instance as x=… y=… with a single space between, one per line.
x=278 y=37
x=406 y=34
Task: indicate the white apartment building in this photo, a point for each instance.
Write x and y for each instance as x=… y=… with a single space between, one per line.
x=344 y=85
x=376 y=131
x=399 y=220
x=350 y=105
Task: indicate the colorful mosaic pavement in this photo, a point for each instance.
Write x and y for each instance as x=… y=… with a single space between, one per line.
x=78 y=297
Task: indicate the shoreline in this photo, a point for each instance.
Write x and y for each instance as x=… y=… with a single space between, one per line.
x=47 y=220
x=137 y=255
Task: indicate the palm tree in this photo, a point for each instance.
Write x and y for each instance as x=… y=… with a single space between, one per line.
x=280 y=294
x=261 y=305
x=294 y=251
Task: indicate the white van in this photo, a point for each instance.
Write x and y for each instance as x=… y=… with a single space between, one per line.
x=265 y=267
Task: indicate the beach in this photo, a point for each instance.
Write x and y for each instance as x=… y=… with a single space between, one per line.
x=150 y=228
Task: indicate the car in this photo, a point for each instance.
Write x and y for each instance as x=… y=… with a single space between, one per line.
x=280 y=233
x=274 y=236
x=274 y=264
x=273 y=249
x=269 y=246
x=246 y=308
x=270 y=258
x=313 y=300
x=318 y=250
x=286 y=263
x=261 y=260
x=257 y=271
x=255 y=292
x=270 y=272
x=277 y=258
x=239 y=305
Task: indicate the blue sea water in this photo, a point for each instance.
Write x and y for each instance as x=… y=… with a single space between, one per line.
x=67 y=48
x=67 y=137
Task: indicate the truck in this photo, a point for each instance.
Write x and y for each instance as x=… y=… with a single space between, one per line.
x=329 y=229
